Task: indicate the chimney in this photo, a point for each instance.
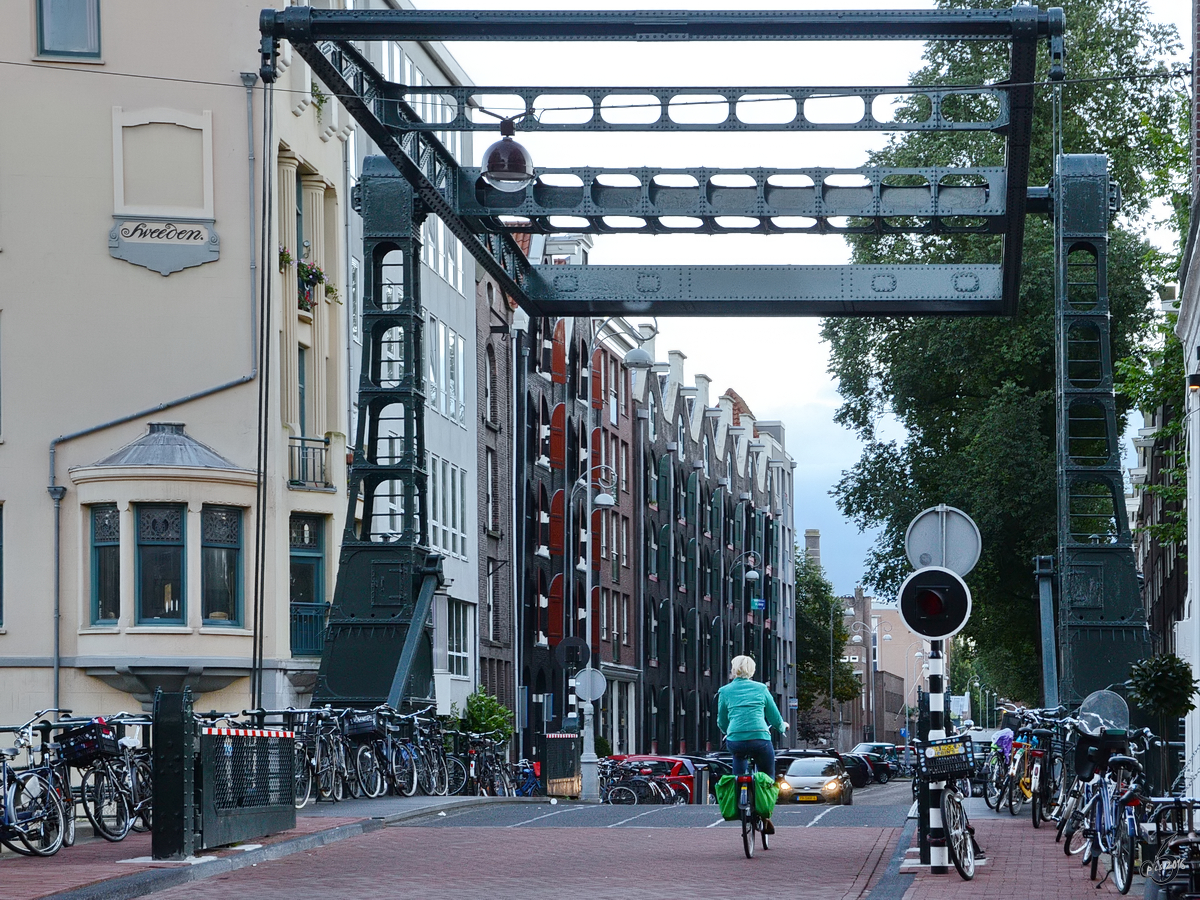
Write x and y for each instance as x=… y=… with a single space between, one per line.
x=812 y=544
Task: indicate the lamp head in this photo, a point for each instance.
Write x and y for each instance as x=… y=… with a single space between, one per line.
x=604 y=500
x=1193 y=383
x=857 y=639
x=752 y=575
x=639 y=358
x=507 y=165
x=887 y=637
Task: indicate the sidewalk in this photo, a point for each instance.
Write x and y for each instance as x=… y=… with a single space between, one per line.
x=1021 y=862
x=95 y=869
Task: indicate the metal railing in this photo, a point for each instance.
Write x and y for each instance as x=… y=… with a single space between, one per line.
x=308 y=461
x=308 y=628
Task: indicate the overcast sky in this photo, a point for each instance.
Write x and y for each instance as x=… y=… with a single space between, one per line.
x=777 y=365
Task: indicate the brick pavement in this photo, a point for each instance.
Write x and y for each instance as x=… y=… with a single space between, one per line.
x=599 y=863
x=93 y=860
x=1022 y=862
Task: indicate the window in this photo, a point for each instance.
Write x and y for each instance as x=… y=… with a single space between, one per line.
x=301 y=384
x=625 y=541
x=651 y=554
x=651 y=424
x=493 y=496
x=604 y=514
x=458 y=659
x=306 y=537
x=447 y=389
x=625 y=619
x=355 y=301
x=69 y=28
x=448 y=507
x=106 y=564
x=221 y=564
x=625 y=467
x=614 y=377
x=1 y=564
x=681 y=438
x=491 y=386
x=160 y=530
x=604 y=614
x=491 y=599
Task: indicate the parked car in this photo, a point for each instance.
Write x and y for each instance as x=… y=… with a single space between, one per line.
x=716 y=768
x=816 y=779
x=859 y=769
x=676 y=769
x=879 y=748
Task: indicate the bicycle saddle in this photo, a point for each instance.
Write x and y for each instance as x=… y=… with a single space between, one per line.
x=1120 y=760
x=1043 y=733
x=9 y=752
x=129 y=743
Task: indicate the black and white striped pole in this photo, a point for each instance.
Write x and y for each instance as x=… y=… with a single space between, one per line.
x=935 y=604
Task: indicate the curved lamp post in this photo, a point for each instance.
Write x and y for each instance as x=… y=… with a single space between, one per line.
x=859 y=629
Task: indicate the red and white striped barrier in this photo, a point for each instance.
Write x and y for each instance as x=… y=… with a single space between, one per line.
x=249 y=732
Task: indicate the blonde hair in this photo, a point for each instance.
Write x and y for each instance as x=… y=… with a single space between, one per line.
x=741 y=667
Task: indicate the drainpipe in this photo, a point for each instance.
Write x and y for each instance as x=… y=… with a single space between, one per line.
x=57 y=491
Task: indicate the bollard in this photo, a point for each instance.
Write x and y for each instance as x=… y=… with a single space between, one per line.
x=700 y=786
x=173 y=744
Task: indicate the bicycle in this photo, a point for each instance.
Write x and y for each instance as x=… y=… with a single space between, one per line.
x=31 y=813
x=748 y=815
x=948 y=760
x=527 y=783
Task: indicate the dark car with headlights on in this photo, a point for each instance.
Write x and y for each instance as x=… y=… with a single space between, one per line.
x=816 y=779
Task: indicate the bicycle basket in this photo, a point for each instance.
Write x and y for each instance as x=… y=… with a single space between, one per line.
x=361 y=724
x=82 y=745
x=945 y=759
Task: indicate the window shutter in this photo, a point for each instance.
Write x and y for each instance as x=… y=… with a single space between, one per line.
x=690 y=571
x=664 y=481
x=664 y=551
x=558 y=353
x=692 y=508
x=558 y=437
x=597 y=381
x=557 y=503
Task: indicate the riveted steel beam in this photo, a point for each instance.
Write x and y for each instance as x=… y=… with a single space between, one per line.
x=710 y=108
x=306 y=24
x=766 y=290
x=764 y=201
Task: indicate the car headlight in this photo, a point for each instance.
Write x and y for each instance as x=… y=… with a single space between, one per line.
x=832 y=787
x=784 y=787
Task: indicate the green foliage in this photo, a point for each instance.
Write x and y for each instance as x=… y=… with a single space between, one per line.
x=485 y=713
x=603 y=747
x=820 y=636
x=962 y=669
x=1163 y=686
x=974 y=397
x=1152 y=378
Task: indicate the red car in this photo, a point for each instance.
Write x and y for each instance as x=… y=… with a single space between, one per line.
x=676 y=769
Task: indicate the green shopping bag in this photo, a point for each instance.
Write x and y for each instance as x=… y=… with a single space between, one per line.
x=766 y=792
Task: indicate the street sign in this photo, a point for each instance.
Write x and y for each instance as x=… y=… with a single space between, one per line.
x=758 y=603
x=935 y=603
x=572 y=653
x=793 y=703
x=590 y=684
x=943 y=536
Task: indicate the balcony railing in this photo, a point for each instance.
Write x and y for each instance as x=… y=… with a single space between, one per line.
x=308 y=462
x=308 y=628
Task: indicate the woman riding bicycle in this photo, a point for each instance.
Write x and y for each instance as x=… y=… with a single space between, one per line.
x=746 y=712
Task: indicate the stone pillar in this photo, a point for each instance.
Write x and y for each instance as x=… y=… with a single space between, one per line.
x=289 y=397
x=313 y=186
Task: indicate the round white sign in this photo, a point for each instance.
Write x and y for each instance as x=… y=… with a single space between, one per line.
x=943 y=536
x=590 y=684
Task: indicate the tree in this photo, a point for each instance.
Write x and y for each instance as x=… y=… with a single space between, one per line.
x=975 y=396
x=820 y=636
x=484 y=714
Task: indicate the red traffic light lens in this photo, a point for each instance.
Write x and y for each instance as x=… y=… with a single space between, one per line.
x=931 y=603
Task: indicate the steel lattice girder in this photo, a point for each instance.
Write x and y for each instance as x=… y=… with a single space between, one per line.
x=707 y=108
x=766 y=201
x=766 y=290
x=322 y=38
x=305 y=24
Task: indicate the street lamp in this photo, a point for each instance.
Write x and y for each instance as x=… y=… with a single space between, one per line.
x=847 y=611
x=507 y=166
x=873 y=628
x=588 y=761
x=908 y=658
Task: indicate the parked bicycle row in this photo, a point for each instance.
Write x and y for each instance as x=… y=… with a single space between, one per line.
x=354 y=753
x=56 y=766
x=1087 y=774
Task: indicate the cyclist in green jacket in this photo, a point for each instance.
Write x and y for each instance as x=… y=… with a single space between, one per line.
x=746 y=712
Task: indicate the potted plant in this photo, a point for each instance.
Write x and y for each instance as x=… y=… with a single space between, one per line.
x=1164 y=687
x=308 y=275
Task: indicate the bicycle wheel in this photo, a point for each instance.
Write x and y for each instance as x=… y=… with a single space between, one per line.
x=748 y=832
x=62 y=785
x=325 y=769
x=37 y=814
x=143 y=771
x=680 y=794
x=1035 y=808
x=353 y=785
x=105 y=805
x=456 y=777
x=622 y=796
x=1075 y=838
x=762 y=831
x=370 y=775
x=441 y=774
x=1122 y=861
x=993 y=785
x=958 y=837
x=1066 y=812
x=404 y=770
x=301 y=777
x=1092 y=858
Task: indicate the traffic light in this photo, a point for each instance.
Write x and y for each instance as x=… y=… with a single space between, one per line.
x=934 y=603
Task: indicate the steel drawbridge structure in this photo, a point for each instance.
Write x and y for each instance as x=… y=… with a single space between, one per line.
x=378 y=643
